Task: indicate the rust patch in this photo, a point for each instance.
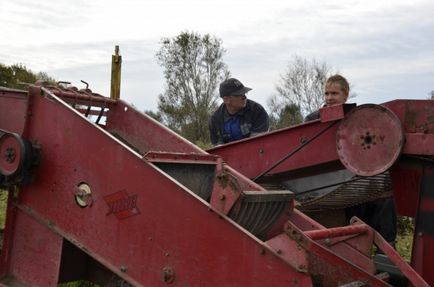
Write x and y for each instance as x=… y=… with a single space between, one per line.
x=410 y=119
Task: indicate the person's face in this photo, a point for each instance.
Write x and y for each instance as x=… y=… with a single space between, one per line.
x=235 y=103
x=334 y=95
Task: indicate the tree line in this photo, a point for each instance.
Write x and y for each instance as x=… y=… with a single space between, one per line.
x=193 y=68
x=17 y=76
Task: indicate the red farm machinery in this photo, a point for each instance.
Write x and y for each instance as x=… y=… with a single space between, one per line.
x=100 y=192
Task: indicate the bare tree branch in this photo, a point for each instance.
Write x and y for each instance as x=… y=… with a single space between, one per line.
x=302 y=84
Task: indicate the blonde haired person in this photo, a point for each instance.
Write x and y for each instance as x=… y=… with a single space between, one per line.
x=336 y=91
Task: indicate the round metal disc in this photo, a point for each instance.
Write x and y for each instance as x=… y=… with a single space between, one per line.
x=369 y=140
x=10 y=154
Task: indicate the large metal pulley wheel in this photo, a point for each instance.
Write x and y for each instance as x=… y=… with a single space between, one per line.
x=12 y=154
x=369 y=140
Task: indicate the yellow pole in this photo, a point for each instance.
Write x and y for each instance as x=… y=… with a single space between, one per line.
x=115 y=91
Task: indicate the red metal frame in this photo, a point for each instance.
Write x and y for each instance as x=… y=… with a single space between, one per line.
x=252 y=156
x=145 y=226
x=145 y=133
x=137 y=249
x=412 y=184
x=13 y=119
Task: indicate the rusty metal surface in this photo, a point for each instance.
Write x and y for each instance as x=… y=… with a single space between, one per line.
x=93 y=106
x=415 y=119
x=13 y=110
x=258 y=153
x=226 y=191
x=139 y=220
x=355 y=250
x=145 y=133
x=148 y=225
x=338 y=273
x=34 y=241
x=413 y=277
x=419 y=144
x=189 y=158
x=81 y=97
x=369 y=140
x=423 y=246
x=337 y=231
x=252 y=156
x=417 y=116
x=11 y=154
x=336 y=112
x=17 y=158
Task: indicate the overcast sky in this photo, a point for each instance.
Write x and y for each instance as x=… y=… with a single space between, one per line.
x=384 y=48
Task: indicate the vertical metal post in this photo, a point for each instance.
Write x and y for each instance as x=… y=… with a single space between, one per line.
x=423 y=241
x=115 y=90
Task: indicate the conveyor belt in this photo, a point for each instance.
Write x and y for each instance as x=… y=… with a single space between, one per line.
x=336 y=190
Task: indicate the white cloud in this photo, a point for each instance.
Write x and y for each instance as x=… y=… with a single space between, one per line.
x=377 y=44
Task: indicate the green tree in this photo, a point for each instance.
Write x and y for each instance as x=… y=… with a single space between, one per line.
x=6 y=76
x=155 y=115
x=193 y=68
x=15 y=76
x=283 y=115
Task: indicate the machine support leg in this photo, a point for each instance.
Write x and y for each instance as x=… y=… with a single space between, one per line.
x=423 y=242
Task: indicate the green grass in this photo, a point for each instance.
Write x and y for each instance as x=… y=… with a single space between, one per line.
x=3 y=204
x=404 y=245
x=404 y=240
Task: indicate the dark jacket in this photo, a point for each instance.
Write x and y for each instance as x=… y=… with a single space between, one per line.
x=253 y=120
x=312 y=116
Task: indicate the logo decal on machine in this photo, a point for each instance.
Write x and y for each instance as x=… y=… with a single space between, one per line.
x=122 y=205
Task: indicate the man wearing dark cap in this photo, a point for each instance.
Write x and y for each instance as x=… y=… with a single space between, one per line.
x=237 y=117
